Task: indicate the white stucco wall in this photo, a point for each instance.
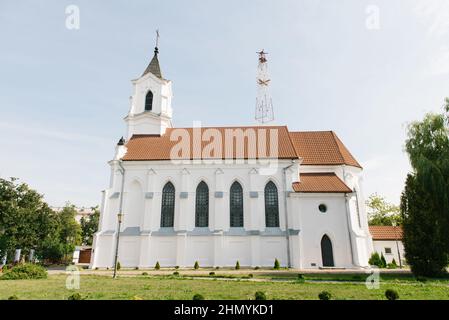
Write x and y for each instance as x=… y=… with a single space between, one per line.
x=254 y=245
x=381 y=245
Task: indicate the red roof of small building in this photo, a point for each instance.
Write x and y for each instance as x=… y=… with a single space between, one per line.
x=386 y=232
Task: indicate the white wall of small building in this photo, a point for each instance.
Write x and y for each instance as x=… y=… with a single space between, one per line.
x=381 y=245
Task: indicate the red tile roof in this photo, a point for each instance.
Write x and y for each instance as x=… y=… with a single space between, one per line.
x=386 y=232
x=257 y=146
x=322 y=148
x=320 y=182
x=316 y=148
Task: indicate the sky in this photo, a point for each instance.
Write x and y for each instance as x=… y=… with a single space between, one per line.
x=364 y=69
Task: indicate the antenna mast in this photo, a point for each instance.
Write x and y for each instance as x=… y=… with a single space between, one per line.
x=264 y=105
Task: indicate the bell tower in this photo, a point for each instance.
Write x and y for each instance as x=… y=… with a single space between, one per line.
x=150 y=111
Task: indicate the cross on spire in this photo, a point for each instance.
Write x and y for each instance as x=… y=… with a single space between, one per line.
x=157 y=38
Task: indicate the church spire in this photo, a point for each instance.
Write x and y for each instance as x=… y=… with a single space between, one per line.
x=154 y=67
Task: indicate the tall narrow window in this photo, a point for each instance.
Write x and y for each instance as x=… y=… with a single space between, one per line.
x=202 y=205
x=236 y=205
x=168 y=206
x=271 y=205
x=149 y=101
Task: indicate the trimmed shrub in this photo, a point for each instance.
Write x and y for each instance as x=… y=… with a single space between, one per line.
x=391 y=266
x=383 y=261
x=237 y=265
x=177 y=267
x=217 y=267
x=212 y=273
x=176 y=273
x=25 y=271
x=277 y=265
x=375 y=260
x=301 y=278
x=75 y=296
x=391 y=294
x=325 y=295
x=119 y=266
x=260 y=295
x=256 y=268
x=14 y=297
x=198 y=296
x=157 y=266
x=421 y=279
x=250 y=275
x=196 y=266
x=145 y=273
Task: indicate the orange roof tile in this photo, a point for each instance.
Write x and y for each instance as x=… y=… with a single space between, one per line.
x=323 y=182
x=316 y=148
x=322 y=148
x=155 y=147
x=386 y=232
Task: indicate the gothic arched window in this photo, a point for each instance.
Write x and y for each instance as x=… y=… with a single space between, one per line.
x=202 y=205
x=149 y=101
x=168 y=206
x=236 y=205
x=271 y=205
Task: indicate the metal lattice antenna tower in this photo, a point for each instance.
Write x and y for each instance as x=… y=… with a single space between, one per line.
x=264 y=105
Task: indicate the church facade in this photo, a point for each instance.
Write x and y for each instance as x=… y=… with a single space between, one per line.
x=219 y=195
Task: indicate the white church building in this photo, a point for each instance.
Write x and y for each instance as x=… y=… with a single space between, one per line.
x=218 y=195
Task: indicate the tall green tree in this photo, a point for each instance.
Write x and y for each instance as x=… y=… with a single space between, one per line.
x=89 y=225
x=425 y=199
x=69 y=230
x=25 y=219
x=381 y=212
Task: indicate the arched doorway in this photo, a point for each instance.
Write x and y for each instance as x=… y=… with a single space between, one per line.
x=327 y=253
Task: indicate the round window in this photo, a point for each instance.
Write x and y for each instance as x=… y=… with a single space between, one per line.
x=322 y=207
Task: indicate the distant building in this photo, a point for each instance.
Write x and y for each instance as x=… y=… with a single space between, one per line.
x=81 y=212
x=387 y=240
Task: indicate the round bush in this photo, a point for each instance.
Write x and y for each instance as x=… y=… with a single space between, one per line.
x=259 y=295
x=212 y=273
x=250 y=275
x=75 y=296
x=391 y=294
x=14 y=297
x=325 y=295
x=145 y=273
x=176 y=273
x=25 y=271
x=256 y=268
x=198 y=296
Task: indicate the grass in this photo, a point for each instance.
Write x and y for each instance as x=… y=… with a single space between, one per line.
x=170 y=287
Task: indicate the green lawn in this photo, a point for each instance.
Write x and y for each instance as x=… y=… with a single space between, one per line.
x=168 y=287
